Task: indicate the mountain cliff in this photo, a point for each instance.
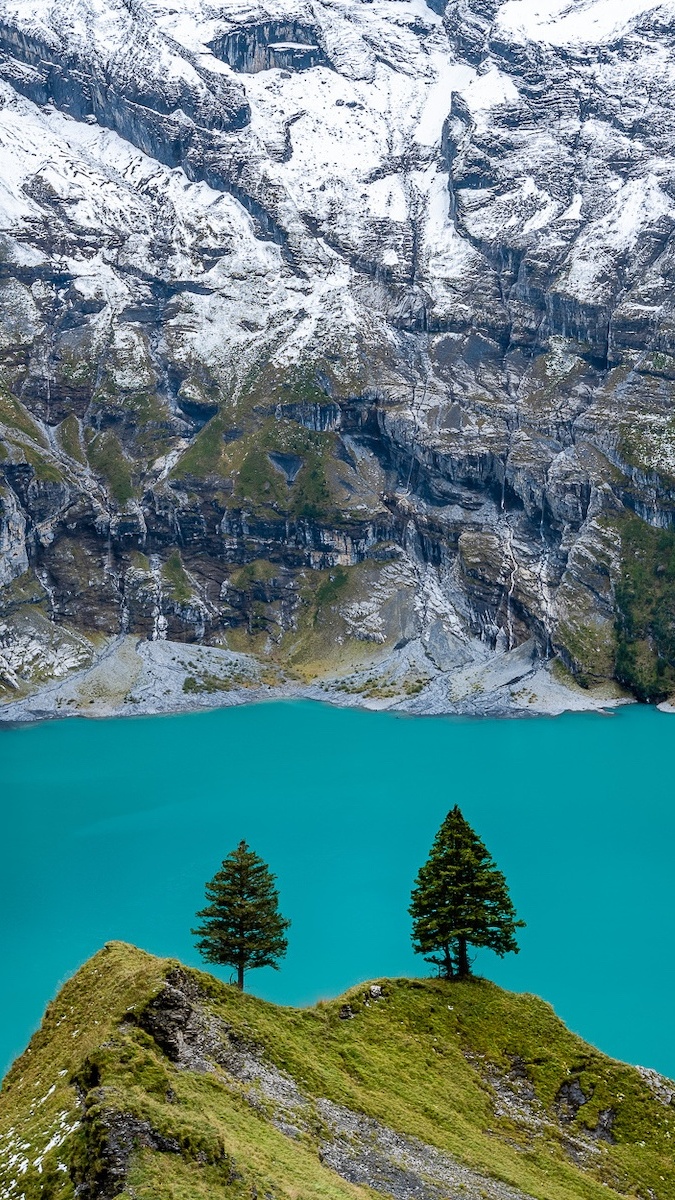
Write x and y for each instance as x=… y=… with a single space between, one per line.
x=150 y=1079
x=337 y=338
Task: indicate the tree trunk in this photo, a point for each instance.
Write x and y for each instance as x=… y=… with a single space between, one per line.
x=447 y=963
x=462 y=959
x=240 y=977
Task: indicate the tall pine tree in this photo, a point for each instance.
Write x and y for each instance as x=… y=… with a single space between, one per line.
x=460 y=899
x=241 y=925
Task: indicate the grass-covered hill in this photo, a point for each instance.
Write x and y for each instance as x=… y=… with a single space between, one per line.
x=149 y=1080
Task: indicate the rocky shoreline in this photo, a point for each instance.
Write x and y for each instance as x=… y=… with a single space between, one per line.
x=132 y=677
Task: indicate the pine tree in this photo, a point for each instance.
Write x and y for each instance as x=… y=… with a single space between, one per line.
x=460 y=899
x=241 y=925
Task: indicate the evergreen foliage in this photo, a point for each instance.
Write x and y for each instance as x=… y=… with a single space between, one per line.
x=241 y=925
x=460 y=899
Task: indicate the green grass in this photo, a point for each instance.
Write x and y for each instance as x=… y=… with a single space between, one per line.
x=207 y=684
x=261 y=485
x=107 y=459
x=415 y=1060
x=320 y=642
x=25 y=589
x=261 y=570
x=312 y=498
x=69 y=437
x=18 y=420
x=308 y=382
x=330 y=589
x=45 y=470
x=139 y=561
x=206 y=455
x=176 y=579
x=645 y=596
x=16 y=416
x=592 y=647
x=257 y=484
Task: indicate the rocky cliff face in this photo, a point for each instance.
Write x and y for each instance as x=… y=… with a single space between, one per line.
x=339 y=335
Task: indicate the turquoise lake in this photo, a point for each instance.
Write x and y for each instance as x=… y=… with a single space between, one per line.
x=111 y=828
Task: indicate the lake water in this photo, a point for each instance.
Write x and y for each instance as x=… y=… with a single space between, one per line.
x=110 y=829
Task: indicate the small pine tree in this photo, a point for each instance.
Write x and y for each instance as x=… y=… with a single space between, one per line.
x=241 y=925
x=460 y=899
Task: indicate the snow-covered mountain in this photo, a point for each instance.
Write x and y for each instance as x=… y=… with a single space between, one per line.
x=339 y=334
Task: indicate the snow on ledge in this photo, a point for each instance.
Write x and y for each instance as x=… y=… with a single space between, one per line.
x=579 y=22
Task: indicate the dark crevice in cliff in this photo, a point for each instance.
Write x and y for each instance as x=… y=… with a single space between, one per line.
x=287 y=45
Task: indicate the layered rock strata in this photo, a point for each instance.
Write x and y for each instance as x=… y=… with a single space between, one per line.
x=331 y=332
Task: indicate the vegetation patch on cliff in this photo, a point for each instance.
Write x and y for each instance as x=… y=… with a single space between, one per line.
x=645 y=596
x=271 y=443
x=176 y=579
x=107 y=458
x=14 y=415
x=69 y=437
x=283 y=469
x=648 y=444
x=309 y=382
x=591 y=647
x=205 y=455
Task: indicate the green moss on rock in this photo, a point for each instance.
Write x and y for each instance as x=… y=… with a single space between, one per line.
x=330 y=589
x=645 y=596
x=139 y=561
x=175 y=578
x=107 y=459
x=206 y=455
x=300 y=491
x=591 y=645
x=69 y=437
x=258 y=483
x=258 y=571
x=14 y=415
x=44 y=468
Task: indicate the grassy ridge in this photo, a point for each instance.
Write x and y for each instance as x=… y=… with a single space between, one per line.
x=423 y=1060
